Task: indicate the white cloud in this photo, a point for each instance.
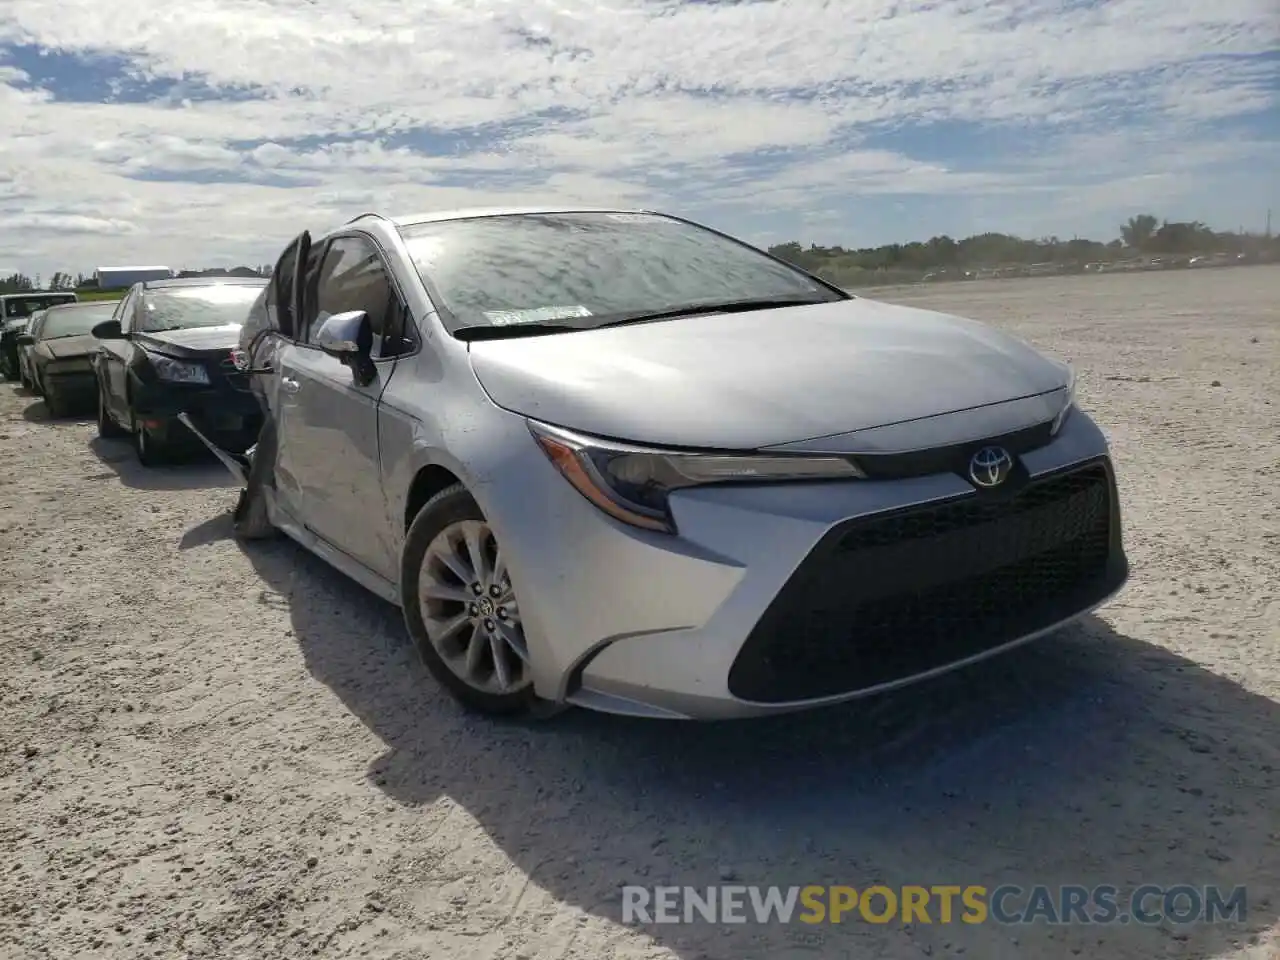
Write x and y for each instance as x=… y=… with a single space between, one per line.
x=799 y=112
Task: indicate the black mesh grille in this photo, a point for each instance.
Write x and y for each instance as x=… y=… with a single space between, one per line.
x=885 y=598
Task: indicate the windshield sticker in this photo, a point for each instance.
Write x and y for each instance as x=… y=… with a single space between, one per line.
x=503 y=318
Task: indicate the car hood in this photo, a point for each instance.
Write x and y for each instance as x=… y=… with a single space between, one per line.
x=80 y=345
x=192 y=341
x=767 y=377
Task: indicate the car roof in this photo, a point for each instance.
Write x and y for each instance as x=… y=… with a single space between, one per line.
x=203 y=282
x=468 y=213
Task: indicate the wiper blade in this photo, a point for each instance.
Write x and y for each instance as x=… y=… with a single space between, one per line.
x=508 y=331
x=723 y=306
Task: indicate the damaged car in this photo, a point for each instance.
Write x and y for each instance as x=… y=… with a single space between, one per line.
x=621 y=460
x=59 y=351
x=167 y=350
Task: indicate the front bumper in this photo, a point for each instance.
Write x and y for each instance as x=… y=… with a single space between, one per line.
x=228 y=416
x=779 y=598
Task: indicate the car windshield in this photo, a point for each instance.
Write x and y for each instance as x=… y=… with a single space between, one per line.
x=72 y=320
x=25 y=306
x=590 y=268
x=215 y=305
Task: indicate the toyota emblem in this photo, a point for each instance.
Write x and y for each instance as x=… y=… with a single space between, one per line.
x=990 y=467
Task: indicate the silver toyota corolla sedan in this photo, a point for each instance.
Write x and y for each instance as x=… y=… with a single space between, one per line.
x=621 y=460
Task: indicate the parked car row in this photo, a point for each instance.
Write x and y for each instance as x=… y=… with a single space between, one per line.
x=621 y=460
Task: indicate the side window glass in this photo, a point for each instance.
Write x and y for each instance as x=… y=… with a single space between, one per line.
x=353 y=277
x=279 y=293
x=309 y=320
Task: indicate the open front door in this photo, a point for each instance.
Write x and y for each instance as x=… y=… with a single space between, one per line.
x=259 y=359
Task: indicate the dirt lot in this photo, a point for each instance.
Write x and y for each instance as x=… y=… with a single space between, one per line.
x=215 y=751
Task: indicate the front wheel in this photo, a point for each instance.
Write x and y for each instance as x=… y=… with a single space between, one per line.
x=54 y=403
x=149 y=451
x=460 y=608
x=251 y=519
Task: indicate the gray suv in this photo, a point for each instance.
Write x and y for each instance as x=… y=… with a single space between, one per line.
x=621 y=460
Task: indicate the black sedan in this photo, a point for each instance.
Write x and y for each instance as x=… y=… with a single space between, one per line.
x=59 y=349
x=168 y=351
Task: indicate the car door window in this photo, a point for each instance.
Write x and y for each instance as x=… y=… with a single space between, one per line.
x=279 y=298
x=354 y=277
x=310 y=277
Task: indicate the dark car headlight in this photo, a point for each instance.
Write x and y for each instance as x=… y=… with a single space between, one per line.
x=632 y=484
x=172 y=370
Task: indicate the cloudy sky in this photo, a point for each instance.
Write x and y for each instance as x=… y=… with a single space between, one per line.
x=209 y=132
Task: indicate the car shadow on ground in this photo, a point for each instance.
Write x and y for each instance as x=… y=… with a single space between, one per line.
x=1086 y=758
x=18 y=389
x=196 y=471
x=38 y=412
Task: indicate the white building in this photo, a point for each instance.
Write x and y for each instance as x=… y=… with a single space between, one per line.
x=119 y=278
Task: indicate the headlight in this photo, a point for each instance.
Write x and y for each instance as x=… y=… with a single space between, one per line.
x=632 y=484
x=1068 y=403
x=177 y=371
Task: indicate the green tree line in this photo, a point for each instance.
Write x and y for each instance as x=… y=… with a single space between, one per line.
x=1142 y=235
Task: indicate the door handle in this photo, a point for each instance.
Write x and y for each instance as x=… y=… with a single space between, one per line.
x=289 y=385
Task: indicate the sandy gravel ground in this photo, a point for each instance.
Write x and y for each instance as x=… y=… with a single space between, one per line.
x=225 y=752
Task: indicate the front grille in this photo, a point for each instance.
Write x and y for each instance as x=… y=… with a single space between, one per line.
x=888 y=597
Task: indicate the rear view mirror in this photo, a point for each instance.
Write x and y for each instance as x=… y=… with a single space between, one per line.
x=25 y=339
x=108 y=330
x=346 y=335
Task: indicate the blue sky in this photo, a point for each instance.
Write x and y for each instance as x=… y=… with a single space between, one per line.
x=211 y=138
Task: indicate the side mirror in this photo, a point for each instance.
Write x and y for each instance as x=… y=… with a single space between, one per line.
x=108 y=330
x=25 y=340
x=346 y=336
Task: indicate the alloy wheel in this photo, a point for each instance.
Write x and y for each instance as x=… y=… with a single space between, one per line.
x=469 y=609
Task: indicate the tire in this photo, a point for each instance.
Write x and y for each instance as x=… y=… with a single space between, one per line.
x=108 y=429
x=148 y=451
x=56 y=406
x=250 y=520
x=439 y=521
